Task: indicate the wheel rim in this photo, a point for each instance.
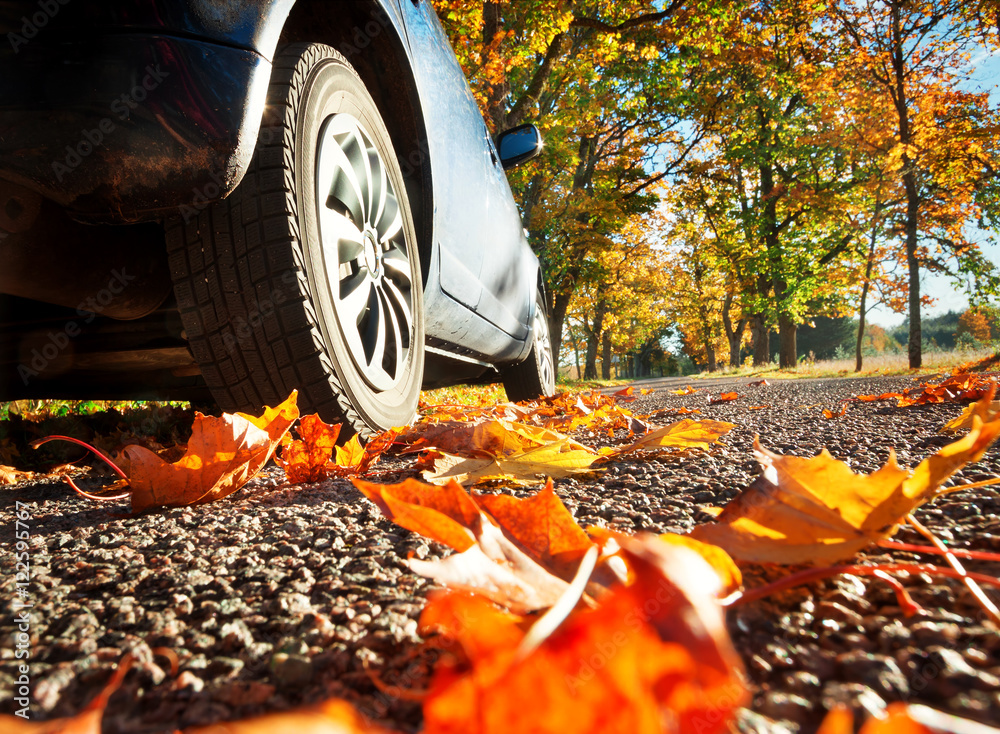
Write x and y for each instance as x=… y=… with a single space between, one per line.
x=543 y=350
x=366 y=258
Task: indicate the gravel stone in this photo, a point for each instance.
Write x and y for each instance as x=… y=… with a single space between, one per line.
x=280 y=596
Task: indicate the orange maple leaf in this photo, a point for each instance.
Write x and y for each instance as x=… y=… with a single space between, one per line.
x=305 y=460
x=328 y=717
x=222 y=455
x=686 y=390
x=672 y=661
x=724 y=398
x=490 y=560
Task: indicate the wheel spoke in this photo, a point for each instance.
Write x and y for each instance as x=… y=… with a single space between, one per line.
x=374 y=336
x=400 y=307
x=344 y=188
x=357 y=153
x=390 y=222
x=355 y=293
x=379 y=187
x=397 y=343
x=340 y=231
x=397 y=266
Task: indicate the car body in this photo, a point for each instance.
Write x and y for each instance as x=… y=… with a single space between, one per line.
x=127 y=131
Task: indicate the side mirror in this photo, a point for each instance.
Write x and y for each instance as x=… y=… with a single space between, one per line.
x=519 y=144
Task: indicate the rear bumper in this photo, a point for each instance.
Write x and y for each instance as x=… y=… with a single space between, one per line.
x=127 y=126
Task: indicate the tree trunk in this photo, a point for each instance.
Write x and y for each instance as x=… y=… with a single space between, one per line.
x=594 y=339
x=910 y=185
x=496 y=103
x=912 y=204
x=863 y=307
x=734 y=335
x=787 y=350
x=557 y=317
x=606 y=354
x=761 y=336
x=576 y=353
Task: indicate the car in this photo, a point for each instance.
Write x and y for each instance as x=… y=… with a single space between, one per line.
x=229 y=200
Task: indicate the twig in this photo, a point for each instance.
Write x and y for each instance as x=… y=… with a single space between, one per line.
x=971 y=585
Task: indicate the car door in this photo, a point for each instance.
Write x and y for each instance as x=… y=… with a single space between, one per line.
x=455 y=137
x=508 y=273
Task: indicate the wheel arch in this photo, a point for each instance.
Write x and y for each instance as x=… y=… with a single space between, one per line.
x=365 y=33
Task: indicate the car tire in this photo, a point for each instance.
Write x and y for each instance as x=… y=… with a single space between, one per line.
x=308 y=276
x=535 y=377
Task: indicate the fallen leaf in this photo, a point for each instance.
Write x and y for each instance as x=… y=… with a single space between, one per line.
x=305 y=460
x=986 y=413
x=758 y=407
x=222 y=455
x=683 y=434
x=329 y=717
x=903 y=718
x=758 y=383
x=542 y=527
x=817 y=510
x=561 y=458
x=686 y=390
x=672 y=662
x=724 y=398
x=874 y=398
x=720 y=561
x=87 y=721
x=829 y=414
x=350 y=454
x=10 y=475
x=489 y=561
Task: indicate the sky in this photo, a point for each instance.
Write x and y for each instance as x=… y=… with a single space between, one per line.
x=986 y=77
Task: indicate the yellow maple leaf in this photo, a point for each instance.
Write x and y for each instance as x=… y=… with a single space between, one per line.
x=818 y=510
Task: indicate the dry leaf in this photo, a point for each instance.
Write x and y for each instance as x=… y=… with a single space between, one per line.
x=818 y=510
x=683 y=434
x=489 y=562
x=328 y=717
x=758 y=383
x=720 y=561
x=902 y=718
x=542 y=527
x=87 y=721
x=561 y=458
x=829 y=414
x=671 y=661
x=222 y=455
x=10 y=475
x=305 y=460
x=725 y=397
x=985 y=411
x=686 y=390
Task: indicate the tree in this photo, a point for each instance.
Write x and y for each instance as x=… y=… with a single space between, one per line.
x=912 y=54
x=775 y=152
x=975 y=323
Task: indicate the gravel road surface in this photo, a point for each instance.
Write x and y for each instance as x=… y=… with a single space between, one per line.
x=282 y=595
